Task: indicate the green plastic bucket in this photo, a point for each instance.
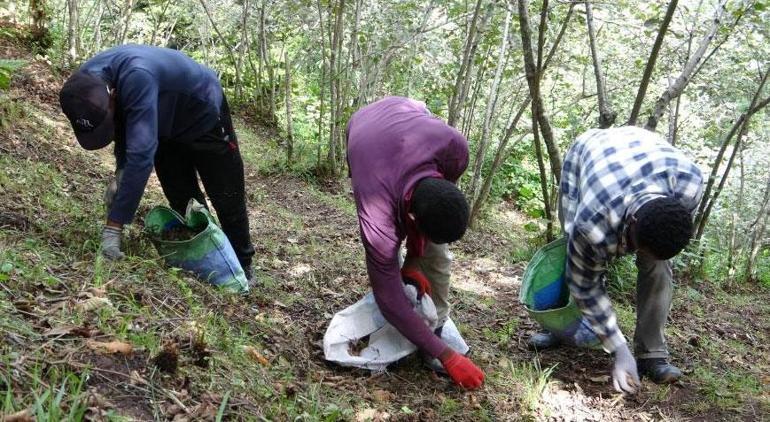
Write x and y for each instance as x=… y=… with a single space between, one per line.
x=546 y=297
x=208 y=254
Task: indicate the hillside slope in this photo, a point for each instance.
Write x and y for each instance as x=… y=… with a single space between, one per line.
x=198 y=354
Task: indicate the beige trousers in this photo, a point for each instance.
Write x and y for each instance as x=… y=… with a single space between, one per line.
x=436 y=264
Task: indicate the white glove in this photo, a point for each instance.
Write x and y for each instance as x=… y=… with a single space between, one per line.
x=111 y=237
x=625 y=378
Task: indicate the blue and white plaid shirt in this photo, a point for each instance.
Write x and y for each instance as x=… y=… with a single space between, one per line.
x=608 y=174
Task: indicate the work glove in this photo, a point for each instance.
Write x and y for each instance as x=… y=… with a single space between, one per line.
x=416 y=278
x=462 y=371
x=111 y=243
x=112 y=189
x=625 y=378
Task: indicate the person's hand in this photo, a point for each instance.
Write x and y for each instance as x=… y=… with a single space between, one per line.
x=415 y=277
x=625 y=378
x=111 y=237
x=112 y=189
x=461 y=369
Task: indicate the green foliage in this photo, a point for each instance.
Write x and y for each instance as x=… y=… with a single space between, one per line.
x=61 y=398
x=518 y=180
x=7 y=69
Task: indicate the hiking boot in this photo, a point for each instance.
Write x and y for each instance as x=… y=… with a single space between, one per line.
x=658 y=370
x=543 y=340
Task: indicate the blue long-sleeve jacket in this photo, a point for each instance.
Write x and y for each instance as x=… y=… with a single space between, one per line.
x=162 y=95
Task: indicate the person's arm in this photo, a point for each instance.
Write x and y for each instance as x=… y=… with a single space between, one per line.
x=138 y=93
x=381 y=248
x=585 y=266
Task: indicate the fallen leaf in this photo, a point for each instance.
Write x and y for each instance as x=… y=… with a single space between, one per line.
x=73 y=330
x=111 y=347
x=366 y=415
x=97 y=292
x=254 y=354
x=602 y=379
x=20 y=416
x=300 y=270
x=373 y=415
x=382 y=396
x=94 y=303
x=60 y=330
x=136 y=379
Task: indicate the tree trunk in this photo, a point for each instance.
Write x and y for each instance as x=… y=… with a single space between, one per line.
x=334 y=85
x=758 y=233
x=460 y=105
x=711 y=201
x=734 y=213
x=489 y=112
x=502 y=147
x=700 y=220
x=123 y=33
x=169 y=34
x=73 y=39
x=222 y=40
x=470 y=45
x=371 y=73
x=289 y=131
x=261 y=92
x=684 y=78
x=673 y=122
x=39 y=23
x=606 y=114
x=651 y=63
x=533 y=80
x=98 y=28
x=157 y=25
x=478 y=76
x=543 y=180
x=242 y=50
x=322 y=84
x=496 y=163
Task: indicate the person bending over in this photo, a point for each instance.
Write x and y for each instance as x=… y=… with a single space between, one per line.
x=626 y=190
x=404 y=164
x=165 y=111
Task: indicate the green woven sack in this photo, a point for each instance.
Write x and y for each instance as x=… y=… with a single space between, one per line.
x=546 y=297
x=208 y=253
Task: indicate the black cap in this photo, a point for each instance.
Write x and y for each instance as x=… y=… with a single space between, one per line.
x=85 y=100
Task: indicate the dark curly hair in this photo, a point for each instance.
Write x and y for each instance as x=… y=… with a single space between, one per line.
x=440 y=209
x=663 y=227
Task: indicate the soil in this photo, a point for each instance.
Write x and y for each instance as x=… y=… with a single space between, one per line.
x=355 y=347
x=168 y=359
x=180 y=233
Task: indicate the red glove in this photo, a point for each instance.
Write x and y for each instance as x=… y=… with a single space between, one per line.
x=462 y=371
x=416 y=278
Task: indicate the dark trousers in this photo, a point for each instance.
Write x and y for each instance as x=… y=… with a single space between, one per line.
x=216 y=159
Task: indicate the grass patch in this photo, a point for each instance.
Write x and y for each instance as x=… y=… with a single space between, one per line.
x=728 y=390
x=533 y=381
x=60 y=397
